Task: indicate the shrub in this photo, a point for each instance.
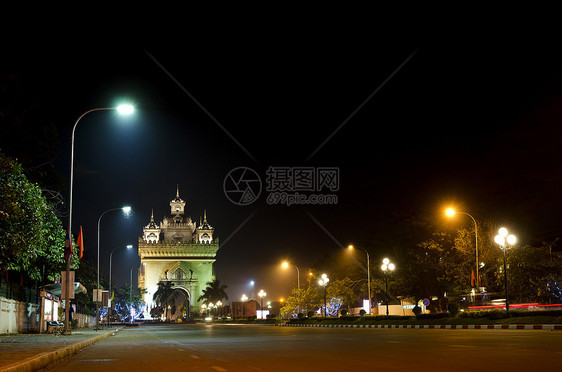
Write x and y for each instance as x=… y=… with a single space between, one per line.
x=453 y=308
x=416 y=310
x=362 y=312
x=343 y=312
x=488 y=314
x=310 y=314
x=300 y=315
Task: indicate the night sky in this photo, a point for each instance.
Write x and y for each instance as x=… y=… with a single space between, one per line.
x=425 y=122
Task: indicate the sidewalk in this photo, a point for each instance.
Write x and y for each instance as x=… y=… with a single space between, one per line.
x=29 y=352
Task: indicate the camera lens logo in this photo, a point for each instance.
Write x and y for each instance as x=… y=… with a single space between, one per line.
x=242 y=186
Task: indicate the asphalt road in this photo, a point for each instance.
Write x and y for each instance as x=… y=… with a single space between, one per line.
x=257 y=348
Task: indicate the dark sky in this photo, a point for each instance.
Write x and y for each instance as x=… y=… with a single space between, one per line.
x=425 y=122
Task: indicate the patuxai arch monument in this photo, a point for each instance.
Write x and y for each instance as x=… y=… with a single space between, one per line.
x=177 y=250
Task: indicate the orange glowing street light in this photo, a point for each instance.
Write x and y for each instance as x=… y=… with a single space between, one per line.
x=285 y=265
x=450 y=212
x=350 y=248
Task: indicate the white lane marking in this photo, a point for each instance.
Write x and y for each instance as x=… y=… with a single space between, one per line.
x=467 y=346
x=195 y=357
x=97 y=360
x=217 y=368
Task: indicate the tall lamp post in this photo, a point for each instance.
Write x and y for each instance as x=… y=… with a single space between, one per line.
x=244 y=299
x=505 y=241
x=125 y=210
x=262 y=294
x=386 y=267
x=451 y=213
x=351 y=247
x=124 y=110
x=324 y=283
x=252 y=284
x=286 y=265
x=110 y=257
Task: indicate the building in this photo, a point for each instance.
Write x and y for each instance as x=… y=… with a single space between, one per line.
x=177 y=250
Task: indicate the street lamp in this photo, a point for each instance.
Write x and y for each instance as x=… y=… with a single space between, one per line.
x=505 y=242
x=351 y=247
x=286 y=265
x=252 y=283
x=124 y=110
x=219 y=308
x=262 y=294
x=110 y=257
x=244 y=299
x=386 y=267
x=125 y=210
x=324 y=283
x=450 y=212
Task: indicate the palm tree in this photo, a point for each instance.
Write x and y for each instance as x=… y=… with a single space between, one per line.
x=164 y=294
x=214 y=292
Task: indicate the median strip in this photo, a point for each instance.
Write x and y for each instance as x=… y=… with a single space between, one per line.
x=550 y=327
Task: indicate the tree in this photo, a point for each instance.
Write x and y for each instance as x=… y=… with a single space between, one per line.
x=32 y=239
x=342 y=289
x=303 y=300
x=533 y=274
x=214 y=292
x=163 y=295
x=127 y=302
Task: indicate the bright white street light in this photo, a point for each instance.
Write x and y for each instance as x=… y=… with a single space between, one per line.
x=126 y=209
x=386 y=267
x=125 y=109
x=505 y=241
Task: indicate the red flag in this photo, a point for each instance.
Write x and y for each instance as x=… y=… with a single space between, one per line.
x=80 y=243
x=472 y=279
x=67 y=246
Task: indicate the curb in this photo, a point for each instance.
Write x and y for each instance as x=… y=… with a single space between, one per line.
x=550 y=327
x=44 y=359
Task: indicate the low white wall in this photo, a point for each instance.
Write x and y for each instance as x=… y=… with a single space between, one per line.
x=23 y=317
x=18 y=317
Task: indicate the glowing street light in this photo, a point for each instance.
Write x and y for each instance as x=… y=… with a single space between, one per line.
x=126 y=210
x=124 y=110
x=386 y=267
x=285 y=265
x=351 y=247
x=450 y=212
x=252 y=284
x=110 y=257
x=262 y=294
x=324 y=283
x=505 y=241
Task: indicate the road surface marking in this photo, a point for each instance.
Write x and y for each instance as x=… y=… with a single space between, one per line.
x=97 y=360
x=195 y=357
x=217 y=368
x=468 y=346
